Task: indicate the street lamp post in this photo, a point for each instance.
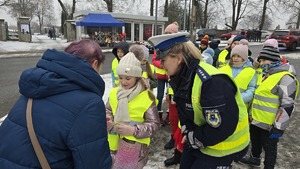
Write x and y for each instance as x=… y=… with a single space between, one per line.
x=155 y=24
x=184 y=15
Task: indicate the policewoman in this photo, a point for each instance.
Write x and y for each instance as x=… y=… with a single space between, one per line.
x=212 y=114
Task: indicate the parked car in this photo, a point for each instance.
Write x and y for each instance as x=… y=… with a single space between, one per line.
x=228 y=35
x=202 y=32
x=287 y=38
x=265 y=34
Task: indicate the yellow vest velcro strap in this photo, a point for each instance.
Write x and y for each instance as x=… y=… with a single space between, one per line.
x=264 y=108
x=267 y=99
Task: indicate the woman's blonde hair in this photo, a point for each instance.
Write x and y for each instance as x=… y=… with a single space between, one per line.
x=188 y=49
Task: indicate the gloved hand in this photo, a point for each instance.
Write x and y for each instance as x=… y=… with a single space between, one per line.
x=275 y=133
x=192 y=141
x=125 y=130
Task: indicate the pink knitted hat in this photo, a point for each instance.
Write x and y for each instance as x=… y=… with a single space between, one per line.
x=241 y=50
x=172 y=28
x=271 y=42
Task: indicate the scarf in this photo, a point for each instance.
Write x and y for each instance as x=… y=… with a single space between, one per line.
x=124 y=96
x=267 y=67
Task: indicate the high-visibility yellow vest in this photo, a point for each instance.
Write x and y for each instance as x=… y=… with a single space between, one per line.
x=114 y=66
x=259 y=76
x=240 y=138
x=243 y=78
x=136 y=108
x=145 y=75
x=222 y=58
x=266 y=104
x=161 y=71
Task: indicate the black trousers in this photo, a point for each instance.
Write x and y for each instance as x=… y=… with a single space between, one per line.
x=195 y=159
x=260 y=140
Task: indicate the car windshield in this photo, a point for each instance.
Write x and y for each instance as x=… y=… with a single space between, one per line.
x=280 y=33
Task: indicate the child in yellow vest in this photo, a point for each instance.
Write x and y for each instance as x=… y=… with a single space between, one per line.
x=241 y=70
x=132 y=116
x=120 y=50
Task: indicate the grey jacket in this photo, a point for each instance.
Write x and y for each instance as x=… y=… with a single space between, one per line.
x=286 y=90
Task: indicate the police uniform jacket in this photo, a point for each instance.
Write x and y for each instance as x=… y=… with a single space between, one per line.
x=218 y=92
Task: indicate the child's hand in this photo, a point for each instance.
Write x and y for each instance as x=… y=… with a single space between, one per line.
x=125 y=130
x=110 y=124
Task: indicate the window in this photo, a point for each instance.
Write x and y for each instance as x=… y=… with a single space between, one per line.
x=147 y=31
x=128 y=31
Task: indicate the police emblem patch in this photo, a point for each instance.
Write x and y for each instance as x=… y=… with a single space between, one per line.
x=213 y=117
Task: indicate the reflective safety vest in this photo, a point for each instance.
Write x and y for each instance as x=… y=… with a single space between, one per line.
x=136 y=108
x=161 y=71
x=145 y=75
x=115 y=77
x=266 y=104
x=240 y=138
x=222 y=58
x=259 y=76
x=243 y=78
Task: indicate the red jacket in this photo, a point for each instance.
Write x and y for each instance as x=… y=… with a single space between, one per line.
x=157 y=64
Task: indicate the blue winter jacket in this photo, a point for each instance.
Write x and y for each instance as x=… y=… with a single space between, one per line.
x=68 y=116
x=247 y=95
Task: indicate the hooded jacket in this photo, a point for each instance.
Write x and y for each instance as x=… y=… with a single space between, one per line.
x=68 y=116
x=286 y=89
x=122 y=45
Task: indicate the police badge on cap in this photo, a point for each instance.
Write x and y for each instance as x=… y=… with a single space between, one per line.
x=164 y=43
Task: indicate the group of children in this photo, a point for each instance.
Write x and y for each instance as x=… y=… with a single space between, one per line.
x=134 y=113
x=268 y=86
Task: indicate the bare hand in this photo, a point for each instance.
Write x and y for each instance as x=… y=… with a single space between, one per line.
x=183 y=140
x=125 y=130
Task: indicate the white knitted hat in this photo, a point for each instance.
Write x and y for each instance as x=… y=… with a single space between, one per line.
x=129 y=65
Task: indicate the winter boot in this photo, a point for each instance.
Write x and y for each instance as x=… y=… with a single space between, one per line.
x=173 y=160
x=251 y=161
x=170 y=144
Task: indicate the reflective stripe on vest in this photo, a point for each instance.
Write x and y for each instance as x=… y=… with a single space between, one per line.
x=114 y=66
x=240 y=138
x=222 y=58
x=265 y=103
x=137 y=107
x=243 y=78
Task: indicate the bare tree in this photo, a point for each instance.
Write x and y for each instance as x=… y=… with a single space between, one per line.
x=166 y=8
x=238 y=12
x=174 y=14
x=262 y=21
x=65 y=15
x=207 y=13
x=292 y=6
x=109 y=4
x=22 y=8
x=151 y=7
x=43 y=10
x=4 y=2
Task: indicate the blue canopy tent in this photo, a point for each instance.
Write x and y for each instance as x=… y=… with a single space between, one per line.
x=93 y=19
